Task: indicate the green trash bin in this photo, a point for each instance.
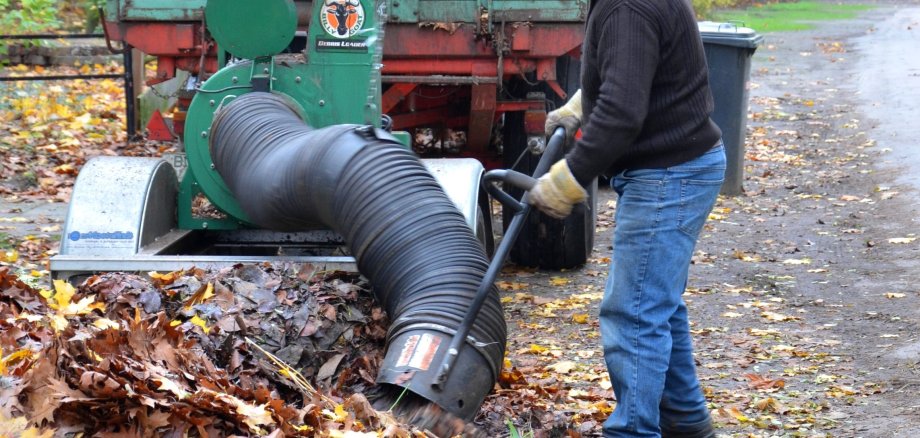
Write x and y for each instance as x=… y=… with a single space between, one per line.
x=728 y=53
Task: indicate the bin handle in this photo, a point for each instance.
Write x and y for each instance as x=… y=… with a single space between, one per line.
x=735 y=24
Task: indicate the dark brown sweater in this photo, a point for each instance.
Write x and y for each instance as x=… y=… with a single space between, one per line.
x=645 y=89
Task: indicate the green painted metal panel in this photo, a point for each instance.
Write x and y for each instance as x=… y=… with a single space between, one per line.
x=156 y=10
x=539 y=10
x=466 y=11
x=403 y=11
x=249 y=29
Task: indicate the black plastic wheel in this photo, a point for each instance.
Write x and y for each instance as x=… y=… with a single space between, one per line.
x=546 y=242
x=484 y=224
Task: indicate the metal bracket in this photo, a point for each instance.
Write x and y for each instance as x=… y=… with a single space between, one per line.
x=263 y=81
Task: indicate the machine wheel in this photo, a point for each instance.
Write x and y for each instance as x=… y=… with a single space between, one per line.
x=484 y=232
x=546 y=242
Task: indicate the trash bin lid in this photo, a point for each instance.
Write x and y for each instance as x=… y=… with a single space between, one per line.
x=729 y=34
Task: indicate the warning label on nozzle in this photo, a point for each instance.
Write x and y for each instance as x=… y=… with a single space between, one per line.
x=418 y=351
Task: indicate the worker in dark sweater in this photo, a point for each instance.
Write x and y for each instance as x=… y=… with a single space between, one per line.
x=644 y=110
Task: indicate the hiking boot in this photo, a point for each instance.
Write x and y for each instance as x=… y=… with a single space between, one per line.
x=702 y=429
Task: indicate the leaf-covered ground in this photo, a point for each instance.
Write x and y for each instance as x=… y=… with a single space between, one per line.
x=803 y=291
x=251 y=350
x=48 y=130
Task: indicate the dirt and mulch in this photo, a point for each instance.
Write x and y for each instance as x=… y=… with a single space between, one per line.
x=803 y=302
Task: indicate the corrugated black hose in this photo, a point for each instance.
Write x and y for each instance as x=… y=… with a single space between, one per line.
x=409 y=240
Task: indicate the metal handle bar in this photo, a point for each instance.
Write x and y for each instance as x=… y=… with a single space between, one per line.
x=522 y=209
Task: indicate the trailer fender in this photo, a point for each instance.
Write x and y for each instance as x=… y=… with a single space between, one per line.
x=119 y=204
x=459 y=177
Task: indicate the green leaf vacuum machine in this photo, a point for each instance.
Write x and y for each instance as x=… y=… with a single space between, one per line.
x=349 y=134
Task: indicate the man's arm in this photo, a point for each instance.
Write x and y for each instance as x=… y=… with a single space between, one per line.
x=628 y=45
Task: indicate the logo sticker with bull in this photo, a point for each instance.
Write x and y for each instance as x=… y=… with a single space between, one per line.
x=342 y=18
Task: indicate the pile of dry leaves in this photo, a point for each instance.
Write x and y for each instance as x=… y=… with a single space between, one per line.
x=249 y=350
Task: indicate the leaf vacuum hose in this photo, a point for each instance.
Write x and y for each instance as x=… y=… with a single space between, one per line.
x=409 y=240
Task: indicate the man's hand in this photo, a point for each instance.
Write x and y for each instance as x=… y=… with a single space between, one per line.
x=568 y=116
x=557 y=191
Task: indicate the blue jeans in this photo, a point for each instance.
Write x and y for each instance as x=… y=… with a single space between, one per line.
x=643 y=318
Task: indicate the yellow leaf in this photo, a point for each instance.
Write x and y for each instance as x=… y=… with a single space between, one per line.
x=200 y=296
x=580 y=318
x=65 y=169
x=510 y=285
x=30 y=317
x=58 y=323
x=895 y=295
x=353 y=434
x=773 y=316
x=39 y=69
x=12 y=358
x=165 y=279
x=10 y=256
x=200 y=323
x=735 y=413
x=902 y=240
x=537 y=349
x=105 y=323
x=85 y=69
x=840 y=391
x=34 y=432
x=559 y=281
x=167 y=385
x=175 y=323
x=253 y=415
x=769 y=404
x=340 y=414
x=732 y=314
x=805 y=261
x=63 y=293
x=563 y=367
x=603 y=407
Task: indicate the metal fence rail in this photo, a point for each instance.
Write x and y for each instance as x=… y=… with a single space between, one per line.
x=127 y=74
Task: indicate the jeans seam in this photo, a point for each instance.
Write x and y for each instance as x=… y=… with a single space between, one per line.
x=643 y=271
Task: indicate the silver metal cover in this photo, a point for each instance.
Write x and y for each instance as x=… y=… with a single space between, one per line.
x=459 y=177
x=119 y=204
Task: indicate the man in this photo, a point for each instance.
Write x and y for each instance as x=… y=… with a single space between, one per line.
x=645 y=104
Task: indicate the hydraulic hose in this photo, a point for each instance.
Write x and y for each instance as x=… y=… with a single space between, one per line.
x=408 y=238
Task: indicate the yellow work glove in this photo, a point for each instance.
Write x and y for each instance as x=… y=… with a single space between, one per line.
x=557 y=191
x=567 y=116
